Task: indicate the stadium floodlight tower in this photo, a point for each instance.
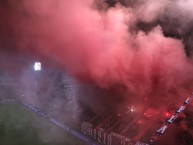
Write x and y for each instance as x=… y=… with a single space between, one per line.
x=37 y=66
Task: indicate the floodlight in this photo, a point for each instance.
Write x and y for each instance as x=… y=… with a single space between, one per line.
x=37 y=66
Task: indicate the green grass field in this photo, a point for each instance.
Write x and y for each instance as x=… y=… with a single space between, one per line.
x=20 y=126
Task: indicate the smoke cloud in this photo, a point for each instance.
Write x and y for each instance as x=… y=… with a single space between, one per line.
x=136 y=47
x=102 y=46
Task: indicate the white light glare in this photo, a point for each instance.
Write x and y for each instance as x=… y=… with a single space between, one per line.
x=132 y=109
x=37 y=66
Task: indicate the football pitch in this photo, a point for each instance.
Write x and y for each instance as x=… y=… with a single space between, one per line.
x=20 y=126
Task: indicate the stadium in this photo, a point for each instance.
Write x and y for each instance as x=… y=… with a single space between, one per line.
x=96 y=72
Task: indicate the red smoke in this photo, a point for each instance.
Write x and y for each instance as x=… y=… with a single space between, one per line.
x=101 y=45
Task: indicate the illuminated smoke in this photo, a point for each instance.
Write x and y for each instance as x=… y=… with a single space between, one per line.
x=107 y=47
x=103 y=46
